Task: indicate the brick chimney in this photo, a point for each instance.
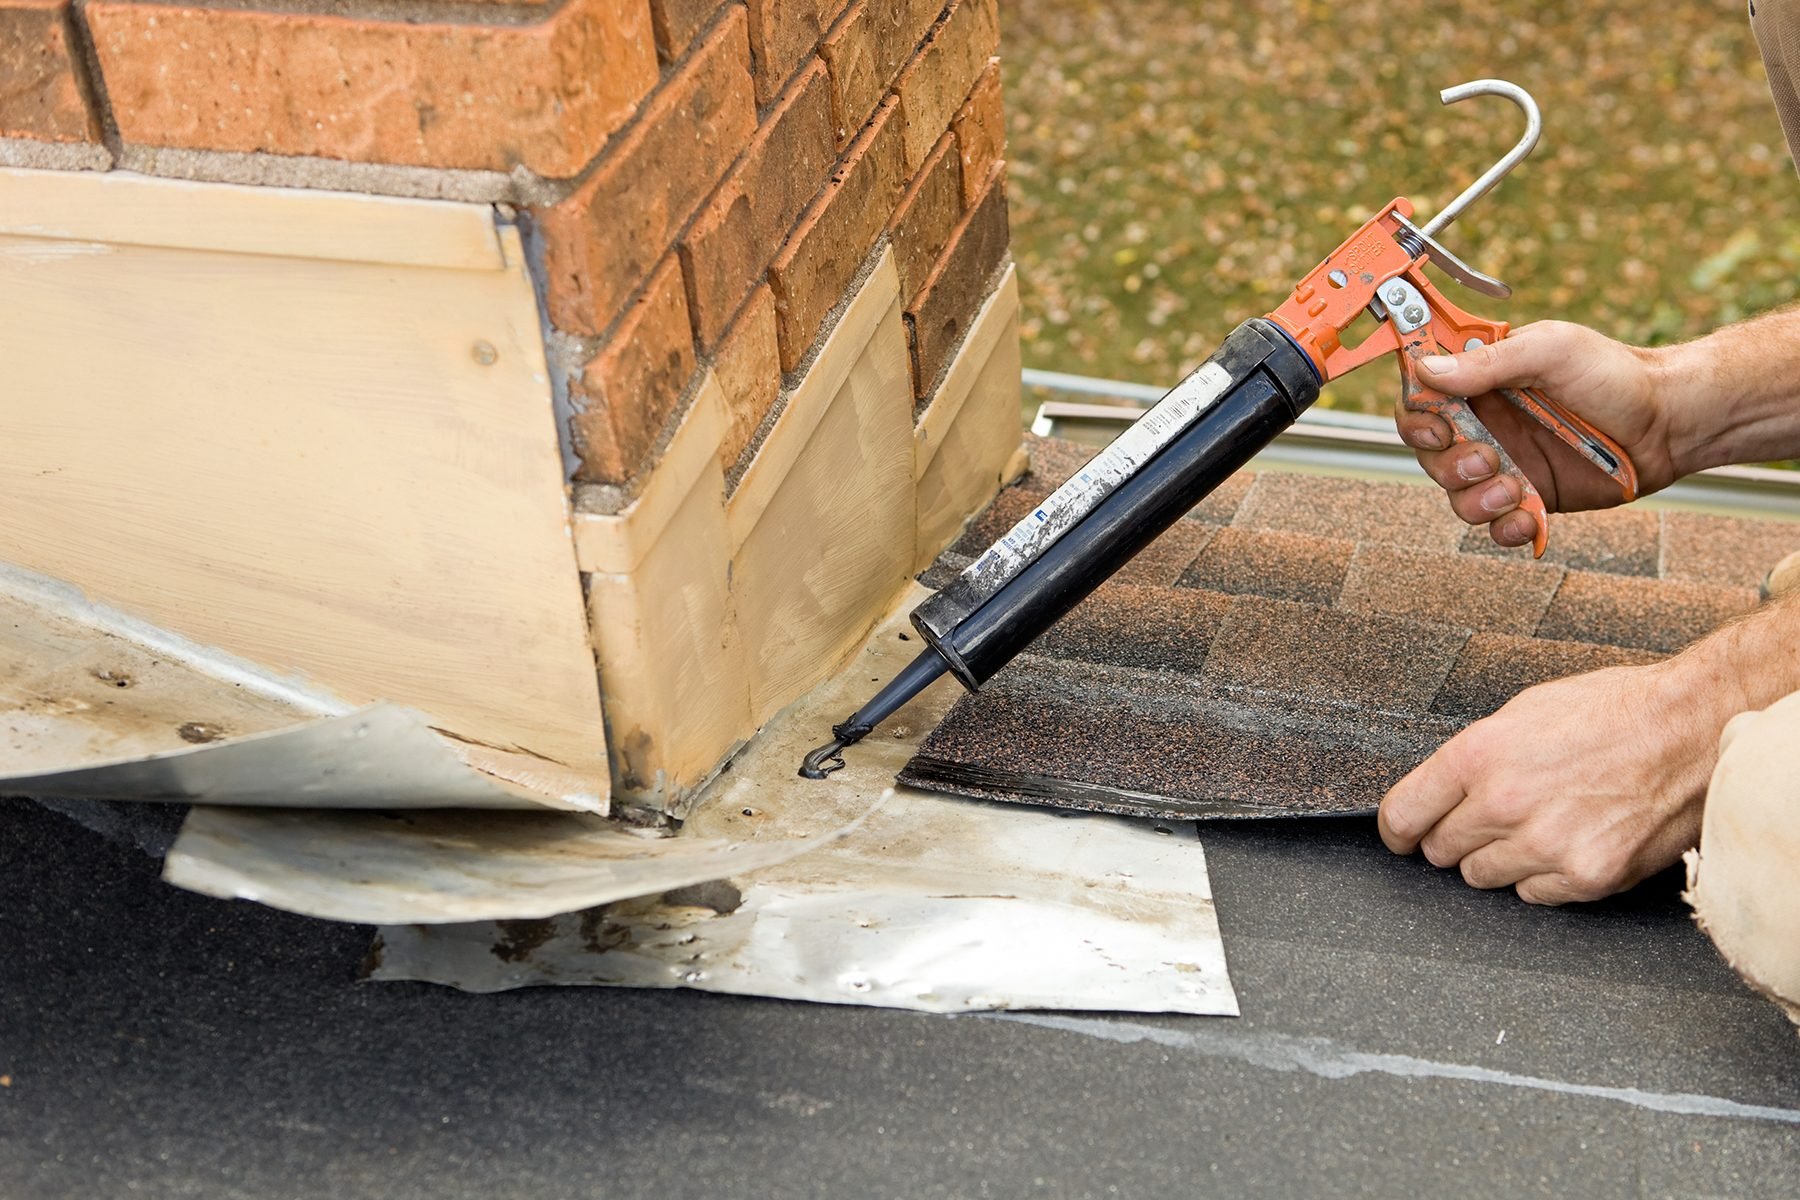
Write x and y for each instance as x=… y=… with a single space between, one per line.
x=769 y=244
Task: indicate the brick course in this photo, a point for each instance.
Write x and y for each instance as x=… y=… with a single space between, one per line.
x=741 y=227
x=41 y=92
x=600 y=242
x=677 y=21
x=782 y=34
x=545 y=95
x=819 y=263
x=748 y=366
x=980 y=127
x=939 y=317
x=626 y=394
x=927 y=215
x=933 y=87
x=865 y=51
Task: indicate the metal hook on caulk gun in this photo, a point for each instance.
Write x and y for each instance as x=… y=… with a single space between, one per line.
x=1534 y=128
x=1422 y=239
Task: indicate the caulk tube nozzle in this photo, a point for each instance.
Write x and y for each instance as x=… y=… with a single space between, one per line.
x=884 y=704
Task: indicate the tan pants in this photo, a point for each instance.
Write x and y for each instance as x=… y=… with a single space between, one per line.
x=1744 y=880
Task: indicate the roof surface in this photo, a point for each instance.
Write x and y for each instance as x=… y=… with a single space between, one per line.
x=1402 y=1035
x=1299 y=642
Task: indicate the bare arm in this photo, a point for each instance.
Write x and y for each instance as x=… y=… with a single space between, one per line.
x=1733 y=396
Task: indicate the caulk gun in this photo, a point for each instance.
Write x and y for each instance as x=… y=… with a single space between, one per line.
x=1267 y=372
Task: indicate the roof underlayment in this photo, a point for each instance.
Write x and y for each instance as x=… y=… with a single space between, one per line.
x=1299 y=642
x=924 y=902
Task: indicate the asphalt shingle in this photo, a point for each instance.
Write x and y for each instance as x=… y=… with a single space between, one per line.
x=1318 y=647
x=1285 y=566
x=1446 y=589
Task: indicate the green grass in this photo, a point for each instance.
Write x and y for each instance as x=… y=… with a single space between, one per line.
x=1175 y=167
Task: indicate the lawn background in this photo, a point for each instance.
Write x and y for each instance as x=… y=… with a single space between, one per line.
x=1175 y=167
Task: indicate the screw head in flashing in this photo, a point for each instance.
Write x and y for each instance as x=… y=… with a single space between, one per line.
x=484 y=353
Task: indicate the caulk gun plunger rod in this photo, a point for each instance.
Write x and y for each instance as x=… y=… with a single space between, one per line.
x=885 y=703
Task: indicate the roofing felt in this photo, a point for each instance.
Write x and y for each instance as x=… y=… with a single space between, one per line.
x=1300 y=642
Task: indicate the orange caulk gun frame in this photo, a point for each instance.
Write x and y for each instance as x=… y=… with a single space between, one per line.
x=1380 y=270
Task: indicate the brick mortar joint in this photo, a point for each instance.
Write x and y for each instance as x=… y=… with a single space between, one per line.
x=90 y=79
x=260 y=168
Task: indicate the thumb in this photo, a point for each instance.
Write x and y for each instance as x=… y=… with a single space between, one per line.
x=1510 y=362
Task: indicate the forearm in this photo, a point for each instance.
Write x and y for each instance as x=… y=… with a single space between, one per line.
x=1748 y=664
x=1733 y=396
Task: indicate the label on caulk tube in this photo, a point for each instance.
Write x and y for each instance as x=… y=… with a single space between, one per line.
x=1039 y=529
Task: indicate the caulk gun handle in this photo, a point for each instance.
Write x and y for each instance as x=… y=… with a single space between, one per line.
x=1580 y=436
x=1465 y=427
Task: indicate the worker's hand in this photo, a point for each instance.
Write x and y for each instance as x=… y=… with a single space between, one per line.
x=1612 y=385
x=1576 y=789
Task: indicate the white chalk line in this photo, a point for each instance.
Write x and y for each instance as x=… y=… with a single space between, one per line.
x=1325 y=1058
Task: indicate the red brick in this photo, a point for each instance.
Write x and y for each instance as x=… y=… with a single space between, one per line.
x=940 y=316
x=980 y=128
x=743 y=225
x=865 y=51
x=677 y=21
x=782 y=34
x=628 y=390
x=936 y=82
x=821 y=259
x=41 y=92
x=748 y=367
x=545 y=96
x=927 y=215
x=601 y=241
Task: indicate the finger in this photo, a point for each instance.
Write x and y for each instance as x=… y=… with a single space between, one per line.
x=1483 y=502
x=1514 y=529
x=1550 y=888
x=1459 y=466
x=1500 y=864
x=1420 y=800
x=1517 y=361
x=1422 y=430
x=1461 y=831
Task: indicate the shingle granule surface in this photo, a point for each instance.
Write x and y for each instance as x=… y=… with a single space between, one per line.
x=1495 y=667
x=1163 y=561
x=1729 y=551
x=1132 y=626
x=1318 y=654
x=1283 y=566
x=1648 y=614
x=1619 y=541
x=1448 y=589
x=1303 y=657
x=1114 y=739
x=1351 y=510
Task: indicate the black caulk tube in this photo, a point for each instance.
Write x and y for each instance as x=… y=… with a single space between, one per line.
x=1188 y=443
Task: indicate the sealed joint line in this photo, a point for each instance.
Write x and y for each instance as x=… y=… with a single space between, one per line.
x=1328 y=1060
